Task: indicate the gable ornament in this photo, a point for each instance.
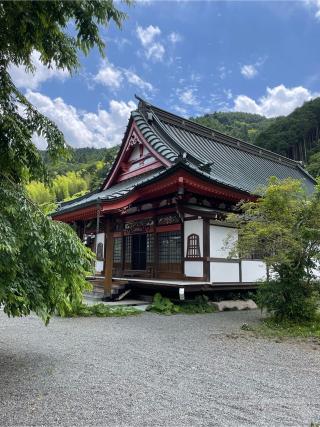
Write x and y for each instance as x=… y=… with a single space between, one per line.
x=133 y=140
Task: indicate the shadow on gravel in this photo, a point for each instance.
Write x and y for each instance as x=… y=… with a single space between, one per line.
x=24 y=368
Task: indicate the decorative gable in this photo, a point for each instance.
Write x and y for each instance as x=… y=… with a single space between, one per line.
x=136 y=157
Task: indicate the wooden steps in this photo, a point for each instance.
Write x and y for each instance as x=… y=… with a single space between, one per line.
x=118 y=291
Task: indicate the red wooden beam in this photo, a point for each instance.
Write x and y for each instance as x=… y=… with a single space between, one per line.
x=165 y=186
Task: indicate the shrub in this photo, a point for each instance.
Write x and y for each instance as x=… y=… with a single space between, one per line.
x=199 y=305
x=163 y=305
x=287 y=300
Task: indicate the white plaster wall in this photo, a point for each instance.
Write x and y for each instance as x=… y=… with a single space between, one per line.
x=137 y=165
x=221 y=272
x=218 y=237
x=253 y=271
x=193 y=226
x=100 y=264
x=193 y=268
x=135 y=153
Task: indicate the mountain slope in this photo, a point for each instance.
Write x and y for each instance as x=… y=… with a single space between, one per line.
x=244 y=126
x=296 y=136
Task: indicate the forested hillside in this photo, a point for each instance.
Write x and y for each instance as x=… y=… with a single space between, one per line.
x=296 y=136
x=91 y=163
x=84 y=171
x=244 y=126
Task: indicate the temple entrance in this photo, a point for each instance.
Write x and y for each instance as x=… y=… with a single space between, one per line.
x=139 y=252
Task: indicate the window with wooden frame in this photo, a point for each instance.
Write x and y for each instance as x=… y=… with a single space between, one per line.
x=128 y=251
x=169 y=247
x=150 y=248
x=193 y=246
x=117 y=250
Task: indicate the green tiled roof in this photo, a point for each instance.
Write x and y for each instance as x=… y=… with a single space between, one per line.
x=225 y=159
x=115 y=192
x=213 y=155
x=153 y=139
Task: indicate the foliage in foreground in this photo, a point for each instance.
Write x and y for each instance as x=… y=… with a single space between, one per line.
x=43 y=263
x=271 y=327
x=98 y=310
x=283 y=227
x=163 y=305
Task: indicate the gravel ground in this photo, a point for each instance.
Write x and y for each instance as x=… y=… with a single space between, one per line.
x=154 y=370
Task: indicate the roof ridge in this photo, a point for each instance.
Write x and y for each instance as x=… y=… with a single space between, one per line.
x=212 y=134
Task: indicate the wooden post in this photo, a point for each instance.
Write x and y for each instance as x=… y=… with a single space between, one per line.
x=108 y=262
x=97 y=226
x=206 y=249
x=155 y=249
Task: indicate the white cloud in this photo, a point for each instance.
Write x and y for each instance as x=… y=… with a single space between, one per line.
x=121 y=42
x=315 y=4
x=104 y=128
x=28 y=80
x=180 y=110
x=223 y=72
x=249 y=71
x=153 y=49
x=188 y=97
x=228 y=93
x=155 y=52
x=113 y=77
x=109 y=75
x=135 y=80
x=174 y=37
x=278 y=101
x=148 y=34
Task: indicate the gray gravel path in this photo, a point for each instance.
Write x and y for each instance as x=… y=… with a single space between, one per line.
x=154 y=371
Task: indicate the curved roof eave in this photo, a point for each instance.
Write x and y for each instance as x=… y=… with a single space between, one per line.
x=157 y=177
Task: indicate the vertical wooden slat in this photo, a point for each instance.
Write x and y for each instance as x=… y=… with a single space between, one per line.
x=108 y=265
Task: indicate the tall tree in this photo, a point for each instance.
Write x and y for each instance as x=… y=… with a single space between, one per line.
x=42 y=263
x=283 y=227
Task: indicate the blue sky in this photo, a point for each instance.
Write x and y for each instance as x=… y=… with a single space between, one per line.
x=189 y=57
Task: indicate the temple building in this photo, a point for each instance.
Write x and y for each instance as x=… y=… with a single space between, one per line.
x=158 y=219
